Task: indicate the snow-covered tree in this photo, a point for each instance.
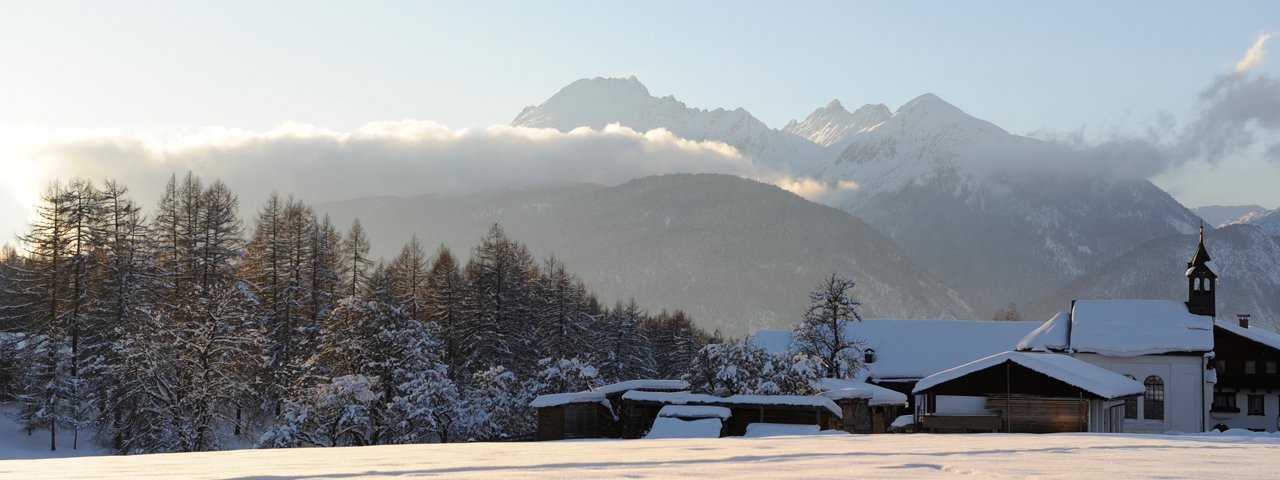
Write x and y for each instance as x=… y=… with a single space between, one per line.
x=337 y=413
x=499 y=403
x=627 y=352
x=558 y=375
x=824 y=332
x=746 y=368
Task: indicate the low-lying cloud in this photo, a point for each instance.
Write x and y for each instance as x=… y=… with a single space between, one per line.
x=384 y=158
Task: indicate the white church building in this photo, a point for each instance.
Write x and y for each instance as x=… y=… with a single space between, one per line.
x=1166 y=348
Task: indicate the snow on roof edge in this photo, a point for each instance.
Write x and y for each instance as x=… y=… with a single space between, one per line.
x=1070 y=370
x=685 y=398
x=558 y=399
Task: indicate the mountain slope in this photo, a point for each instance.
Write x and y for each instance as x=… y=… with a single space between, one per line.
x=1267 y=220
x=833 y=125
x=737 y=254
x=1219 y=215
x=999 y=217
x=597 y=102
x=1246 y=259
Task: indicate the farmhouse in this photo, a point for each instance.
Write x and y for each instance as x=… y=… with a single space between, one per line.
x=1247 y=393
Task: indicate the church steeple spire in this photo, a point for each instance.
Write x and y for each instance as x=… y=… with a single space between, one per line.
x=1201 y=281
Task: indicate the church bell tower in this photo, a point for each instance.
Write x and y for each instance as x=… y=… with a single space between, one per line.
x=1201 y=282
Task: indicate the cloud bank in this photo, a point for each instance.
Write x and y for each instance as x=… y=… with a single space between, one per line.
x=383 y=158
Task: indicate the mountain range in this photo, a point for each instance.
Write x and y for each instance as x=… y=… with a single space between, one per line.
x=962 y=218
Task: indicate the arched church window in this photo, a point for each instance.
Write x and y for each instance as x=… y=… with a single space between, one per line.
x=1153 y=399
x=1131 y=405
x=1208 y=286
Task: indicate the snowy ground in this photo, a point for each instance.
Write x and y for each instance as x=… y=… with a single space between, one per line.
x=843 y=456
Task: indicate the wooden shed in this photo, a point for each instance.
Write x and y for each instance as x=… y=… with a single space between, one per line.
x=640 y=409
x=864 y=407
x=1026 y=392
x=593 y=413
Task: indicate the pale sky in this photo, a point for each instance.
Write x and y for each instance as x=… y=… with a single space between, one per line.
x=1097 y=67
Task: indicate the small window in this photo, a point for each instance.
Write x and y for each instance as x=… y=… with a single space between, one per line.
x=1153 y=399
x=1131 y=405
x=1197 y=282
x=1250 y=367
x=1225 y=402
x=1257 y=405
x=1271 y=367
x=1208 y=285
x=1220 y=366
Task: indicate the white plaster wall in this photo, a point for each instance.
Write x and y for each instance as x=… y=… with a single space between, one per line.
x=1267 y=421
x=1186 y=398
x=958 y=405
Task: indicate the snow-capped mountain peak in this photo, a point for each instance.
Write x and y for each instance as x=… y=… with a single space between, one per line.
x=597 y=102
x=1267 y=220
x=833 y=125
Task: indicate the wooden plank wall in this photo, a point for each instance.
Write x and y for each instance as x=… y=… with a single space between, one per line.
x=1032 y=414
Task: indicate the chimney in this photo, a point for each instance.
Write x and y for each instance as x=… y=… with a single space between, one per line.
x=1244 y=320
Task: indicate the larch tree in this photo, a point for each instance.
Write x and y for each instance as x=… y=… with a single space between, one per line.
x=825 y=330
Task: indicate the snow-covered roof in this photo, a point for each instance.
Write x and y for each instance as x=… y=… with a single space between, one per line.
x=1265 y=337
x=1129 y=328
x=837 y=389
x=613 y=388
x=558 y=399
x=687 y=398
x=677 y=428
x=1070 y=370
x=694 y=411
x=914 y=349
x=1050 y=336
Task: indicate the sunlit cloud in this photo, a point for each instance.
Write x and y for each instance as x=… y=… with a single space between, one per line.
x=407 y=157
x=1254 y=55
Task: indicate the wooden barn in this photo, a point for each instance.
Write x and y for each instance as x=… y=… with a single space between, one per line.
x=593 y=413
x=640 y=409
x=1022 y=392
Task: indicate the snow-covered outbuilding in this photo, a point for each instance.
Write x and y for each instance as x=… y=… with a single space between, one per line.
x=1023 y=392
x=593 y=413
x=864 y=407
x=641 y=409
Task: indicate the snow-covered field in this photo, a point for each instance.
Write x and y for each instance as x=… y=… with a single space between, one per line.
x=825 y=456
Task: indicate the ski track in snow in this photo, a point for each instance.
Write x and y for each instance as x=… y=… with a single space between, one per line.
x=843 y=456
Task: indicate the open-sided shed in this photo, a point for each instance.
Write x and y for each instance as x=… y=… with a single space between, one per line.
x=1029 y=393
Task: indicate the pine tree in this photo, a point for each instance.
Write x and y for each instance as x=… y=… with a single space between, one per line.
x=498 y=305
x=563 y=324
x=445 y=291
x=675 y=341
x=38 y=306
x=410 y=279
x=355 y=259
x=126 y=281
x=629 y=355
x=824 y=332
